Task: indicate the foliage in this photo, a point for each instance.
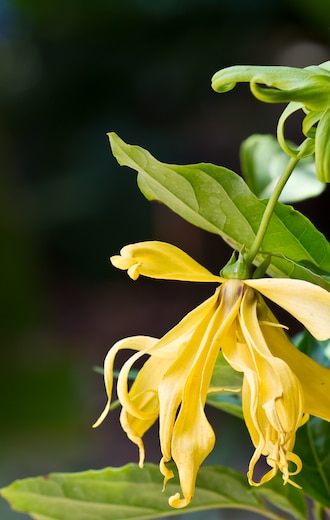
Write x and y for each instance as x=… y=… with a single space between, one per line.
x=267 y=234
x=132 y=493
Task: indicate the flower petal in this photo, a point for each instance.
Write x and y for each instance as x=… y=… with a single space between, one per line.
x=272 y=394
x=308 y=303
x=135 y=343
x=161 y=260
x=143 y=399
x=173 y=382
x=314 y=378
x=193 y=437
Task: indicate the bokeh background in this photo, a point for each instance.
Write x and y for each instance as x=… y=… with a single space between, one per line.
x=70 y=71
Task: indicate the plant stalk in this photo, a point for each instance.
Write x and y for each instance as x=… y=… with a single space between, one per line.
x=269 y=210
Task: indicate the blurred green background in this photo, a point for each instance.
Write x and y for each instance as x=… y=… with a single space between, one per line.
x=70 y=71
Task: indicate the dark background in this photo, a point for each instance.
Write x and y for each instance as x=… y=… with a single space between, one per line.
x=70 y=71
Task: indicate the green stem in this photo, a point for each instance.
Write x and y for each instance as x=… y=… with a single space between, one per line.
x=269 y=210
x=267 y=215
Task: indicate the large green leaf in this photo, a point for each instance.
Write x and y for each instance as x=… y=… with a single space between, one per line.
x=313 y=446
x=313 y=439
x=218 y=200
x=130 y=493
x=286 y=498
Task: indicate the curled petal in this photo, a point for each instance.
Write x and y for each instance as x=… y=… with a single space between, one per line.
x=143 y=401
x=308 y=303
x=147 y=381
x=133 y=343
x=161 y=260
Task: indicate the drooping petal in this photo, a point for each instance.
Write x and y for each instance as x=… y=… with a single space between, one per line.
x=274 y=373
x=172 y=384
x=143 y=401
x=193 y=437
x=161 y=260
x=166 y=347
x=183 y=437
x=308 y=303
x=314 y=378
x=272 y=395
x=135 y=429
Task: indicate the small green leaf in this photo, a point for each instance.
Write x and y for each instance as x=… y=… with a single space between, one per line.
x=263 y=162
x=219 y=201
x=128 y=493
x=229 y=403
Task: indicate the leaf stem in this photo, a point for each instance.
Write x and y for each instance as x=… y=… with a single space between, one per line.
x=269 y=210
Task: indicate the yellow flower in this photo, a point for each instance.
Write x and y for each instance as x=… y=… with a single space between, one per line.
x=281 y=385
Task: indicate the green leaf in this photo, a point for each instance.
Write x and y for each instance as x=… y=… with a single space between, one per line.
x=286 y=498
x=129 y=493
x=226 y=378
x=313 y=439
x=315 y=349
x=263 y=162
x=313 y=447
x=229 y=403
x=307 y=271
x=219 y=201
